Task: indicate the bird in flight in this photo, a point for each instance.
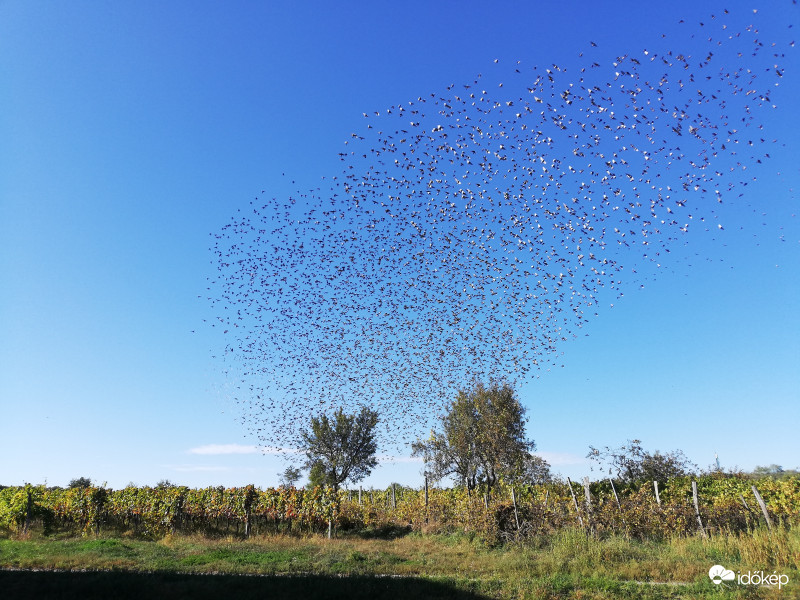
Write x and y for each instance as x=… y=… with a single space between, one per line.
x=469 y=234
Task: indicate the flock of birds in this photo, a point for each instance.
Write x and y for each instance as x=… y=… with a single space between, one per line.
x=472 y=231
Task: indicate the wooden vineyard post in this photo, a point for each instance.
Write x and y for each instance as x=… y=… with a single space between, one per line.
x=746 y=508
x=177 y=522
x=359 y=495
x=394 y=498
x=575 y=502
x=330 y=523
x=619 y=505
x=251 y=496
x=697 y=510
x=426 y=498
x=544 y=506
x=28 y=512
x=613 y=489
x=588 y=494
x=588 y=497
x=514 y=502
x=763 y=506
x=658 y=497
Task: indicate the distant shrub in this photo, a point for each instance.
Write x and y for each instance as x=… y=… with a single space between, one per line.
x=80 y=482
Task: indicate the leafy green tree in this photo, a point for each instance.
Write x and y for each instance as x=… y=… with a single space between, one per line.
x=631 y=462
x=774 y=471
x=535 y=470
x=80 y=482
x=290 y=476
x=340 y=449
x=317 y=477
x=482 y=438
x=770 y=471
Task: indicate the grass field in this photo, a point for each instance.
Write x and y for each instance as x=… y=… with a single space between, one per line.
x=567 y=564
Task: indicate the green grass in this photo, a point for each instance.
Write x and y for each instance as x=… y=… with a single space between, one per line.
x=564 y=565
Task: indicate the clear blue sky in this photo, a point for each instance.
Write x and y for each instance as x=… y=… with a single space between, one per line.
x=132 y=131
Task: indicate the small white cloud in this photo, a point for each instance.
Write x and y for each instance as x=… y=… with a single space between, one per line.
x=217 y=449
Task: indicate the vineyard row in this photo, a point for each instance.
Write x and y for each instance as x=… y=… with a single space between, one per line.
x=721 y=504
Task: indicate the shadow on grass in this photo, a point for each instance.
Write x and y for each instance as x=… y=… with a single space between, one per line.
x=68 y=585
x=386 y=532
